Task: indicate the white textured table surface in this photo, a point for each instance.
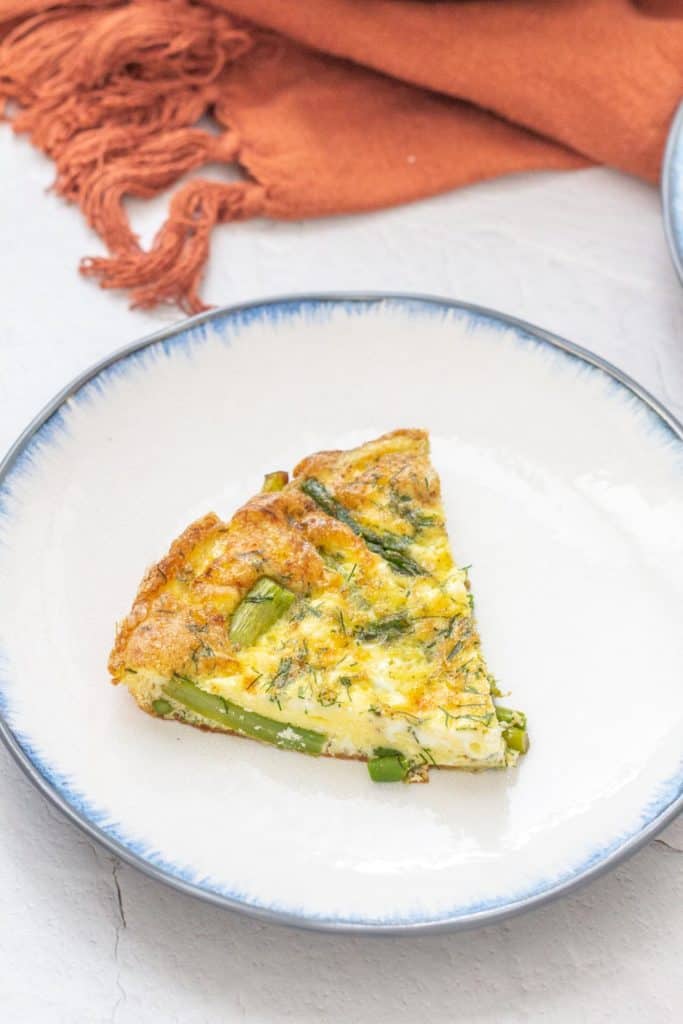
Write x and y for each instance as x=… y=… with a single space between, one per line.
x=84 y=939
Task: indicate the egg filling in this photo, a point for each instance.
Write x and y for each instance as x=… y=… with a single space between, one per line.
x=328 y=617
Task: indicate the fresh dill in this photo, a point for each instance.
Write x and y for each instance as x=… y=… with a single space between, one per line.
x=281 y=677
x=202 y=651
x=326 y=698
x=347 y=683
x=455 y=649
x=426 y=755
x=409 y=716
x=331 y=559
x=486 y=719
x=304 y=609
x=448 y=717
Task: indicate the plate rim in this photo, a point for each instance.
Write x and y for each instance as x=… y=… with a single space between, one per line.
x=449 y=923
x=672 y=230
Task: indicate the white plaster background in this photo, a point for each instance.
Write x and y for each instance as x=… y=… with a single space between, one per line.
x=85 y=940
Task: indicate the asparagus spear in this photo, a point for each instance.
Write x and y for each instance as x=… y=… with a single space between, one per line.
x=321 y=496
x=515 y=735
x=389 y=546
x=231 y=716
x=258 y=611
x=511 y=717
x=274 y=481
x=161 y=706
x=382 y=629
x=389 y=767
x=398 y=560
x=517 y=739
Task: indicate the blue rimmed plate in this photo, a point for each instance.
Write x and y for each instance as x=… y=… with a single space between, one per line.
x=563 y=486
x=672 y=191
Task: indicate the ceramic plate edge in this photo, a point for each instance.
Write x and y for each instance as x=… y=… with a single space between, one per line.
x=582 y=875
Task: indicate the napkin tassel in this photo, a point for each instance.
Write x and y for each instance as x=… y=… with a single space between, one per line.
x=112 y=95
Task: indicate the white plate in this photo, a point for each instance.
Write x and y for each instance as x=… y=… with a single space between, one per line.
x=563 y=485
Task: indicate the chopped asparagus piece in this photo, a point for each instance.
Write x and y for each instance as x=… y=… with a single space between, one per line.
x=382 y=629
x=275 y=481
x=389 y=546
x=517 y=739
x=208 y=705
x=321 y=496
x=308 y=741
x=388 y=768
x=403 y=507
x=398 y=560
x=161 y=706
x=231 y=716
x=258 y=611
x=511 y=717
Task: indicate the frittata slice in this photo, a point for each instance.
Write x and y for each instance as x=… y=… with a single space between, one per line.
x=327 y=616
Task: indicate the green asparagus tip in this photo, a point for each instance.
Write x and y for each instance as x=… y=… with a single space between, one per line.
x=388 y=546
x=390 y=766
x=511 y=717
x=258 y=611
x=275 y=481
x=161 y=706
x=517 y=739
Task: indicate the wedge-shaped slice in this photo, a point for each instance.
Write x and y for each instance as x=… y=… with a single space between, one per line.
x=327 y=617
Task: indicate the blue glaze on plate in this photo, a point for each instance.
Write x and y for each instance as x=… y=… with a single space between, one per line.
x=672 y=191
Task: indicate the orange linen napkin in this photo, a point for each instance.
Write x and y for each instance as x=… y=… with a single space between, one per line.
x=327 y=106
